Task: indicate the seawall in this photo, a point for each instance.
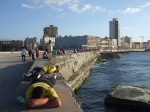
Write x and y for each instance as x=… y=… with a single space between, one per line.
x=75 y=67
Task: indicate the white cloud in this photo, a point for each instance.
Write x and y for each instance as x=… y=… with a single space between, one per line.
x=86 y=7
x=74 y=7
x=99 y=8
x=53 y=2
x=27 y=6
x=146 y=4
x=131 y=10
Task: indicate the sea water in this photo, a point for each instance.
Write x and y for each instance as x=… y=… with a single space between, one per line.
x=131 y=69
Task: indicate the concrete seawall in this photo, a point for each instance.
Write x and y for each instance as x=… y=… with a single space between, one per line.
x=73 y=69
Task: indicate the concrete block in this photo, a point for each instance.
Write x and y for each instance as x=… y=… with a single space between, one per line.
x=129 y=97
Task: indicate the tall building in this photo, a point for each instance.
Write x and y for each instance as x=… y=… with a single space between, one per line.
x=114 y=30
x=49 y=36
x=51 y=31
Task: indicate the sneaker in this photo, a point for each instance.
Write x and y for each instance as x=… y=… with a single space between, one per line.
x=54 y=76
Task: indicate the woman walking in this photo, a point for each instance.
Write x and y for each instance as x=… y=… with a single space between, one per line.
x=37 y=52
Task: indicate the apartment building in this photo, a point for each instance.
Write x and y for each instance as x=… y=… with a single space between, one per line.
x=30 y=42
x=114 y=30
x=49 y=36
x=126 y=42
x=109 y=44
x=51 y=31
x=136 y=45
x=77 y=42
x=8 y=45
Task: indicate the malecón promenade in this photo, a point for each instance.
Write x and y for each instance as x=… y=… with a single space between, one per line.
x=12 y=85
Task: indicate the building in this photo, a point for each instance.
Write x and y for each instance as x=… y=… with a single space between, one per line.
x=49 y=36
x=51 y=31
x=126 y=42
x=30 y=42
x=148 y=44
x=136 y=45
x=108 y=44
x=114 y=30
x=77 y=42
x=9 y=45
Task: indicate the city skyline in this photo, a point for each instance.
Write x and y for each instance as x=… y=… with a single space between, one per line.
x=21 y=19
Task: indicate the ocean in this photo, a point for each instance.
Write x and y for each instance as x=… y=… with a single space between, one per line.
x=131 y=69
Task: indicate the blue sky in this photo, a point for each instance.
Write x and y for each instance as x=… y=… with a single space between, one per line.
x=27 y=18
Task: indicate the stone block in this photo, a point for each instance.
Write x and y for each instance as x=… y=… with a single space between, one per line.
x=129 y=97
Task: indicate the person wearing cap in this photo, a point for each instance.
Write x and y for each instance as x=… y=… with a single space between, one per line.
x=42 y=94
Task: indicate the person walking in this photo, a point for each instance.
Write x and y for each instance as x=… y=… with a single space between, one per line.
x=23 y=54
x=30 y=54
x=37 y=52
x=32 y=51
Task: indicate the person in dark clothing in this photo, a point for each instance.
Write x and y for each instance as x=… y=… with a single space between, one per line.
x=30 y=54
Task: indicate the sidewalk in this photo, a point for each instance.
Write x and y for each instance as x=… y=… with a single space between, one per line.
x=69 y=103
x=11 y=69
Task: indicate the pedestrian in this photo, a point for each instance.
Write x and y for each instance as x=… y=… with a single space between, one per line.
x=30 y=54
x=45 y=54
x=42 y=94
x=58 y=52
x=32 y=51
x=37 y=52
x=23 y=54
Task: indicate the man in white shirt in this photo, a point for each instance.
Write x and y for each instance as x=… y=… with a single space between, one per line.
x=23 y=54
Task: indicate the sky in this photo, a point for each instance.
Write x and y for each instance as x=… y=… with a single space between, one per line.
x=27 y=18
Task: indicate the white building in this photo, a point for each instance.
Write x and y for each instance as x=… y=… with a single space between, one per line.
x=77 y=42
x=126 y=42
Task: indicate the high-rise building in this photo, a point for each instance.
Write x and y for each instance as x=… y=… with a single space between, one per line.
x=49 y=36
x=114 y=30
x=51 y=31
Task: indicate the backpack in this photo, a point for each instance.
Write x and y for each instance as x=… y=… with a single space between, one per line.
x=36 y=71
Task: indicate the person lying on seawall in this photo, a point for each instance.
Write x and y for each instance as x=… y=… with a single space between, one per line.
x=39 y=72
x=42 y=94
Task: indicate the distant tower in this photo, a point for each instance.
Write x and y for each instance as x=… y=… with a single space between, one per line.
x=114 y=30
x=49 y=36
x=51 y=31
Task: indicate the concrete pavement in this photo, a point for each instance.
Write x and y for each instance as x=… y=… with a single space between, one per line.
x=11 y=69
x=69 y=103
